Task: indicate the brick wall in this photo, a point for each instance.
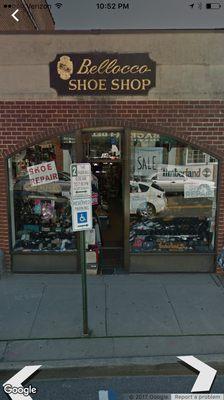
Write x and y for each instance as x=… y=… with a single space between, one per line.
x=23 y=123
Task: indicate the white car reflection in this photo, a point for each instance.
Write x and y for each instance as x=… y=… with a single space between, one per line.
x=175 y=184
x=146 y=198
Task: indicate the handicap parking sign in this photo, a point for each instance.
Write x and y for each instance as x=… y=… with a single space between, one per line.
x=81 y=213
x=82 y=217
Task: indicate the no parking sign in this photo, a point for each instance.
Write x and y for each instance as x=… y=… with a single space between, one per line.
x=81 y=196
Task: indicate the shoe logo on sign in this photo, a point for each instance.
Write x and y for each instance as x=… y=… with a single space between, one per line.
x=82 y=217
x=65 y=67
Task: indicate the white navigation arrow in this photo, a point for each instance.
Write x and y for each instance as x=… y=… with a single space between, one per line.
x=16 y=382
x=14 y=15
x=206 y=376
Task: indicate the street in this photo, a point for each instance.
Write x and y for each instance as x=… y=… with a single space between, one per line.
x=123 y=388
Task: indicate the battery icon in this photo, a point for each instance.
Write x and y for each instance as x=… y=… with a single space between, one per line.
x=213 y=6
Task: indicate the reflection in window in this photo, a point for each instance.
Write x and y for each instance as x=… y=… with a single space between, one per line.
x=176 y=210
x=195 y=156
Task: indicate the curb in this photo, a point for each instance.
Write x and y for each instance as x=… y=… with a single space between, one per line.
x=166 y=365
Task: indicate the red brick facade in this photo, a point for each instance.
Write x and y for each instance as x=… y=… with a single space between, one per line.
x=23 y=123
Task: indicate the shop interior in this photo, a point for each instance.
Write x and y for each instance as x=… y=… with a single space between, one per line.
x=103 y=151
x=42 y=213
x=42 y=220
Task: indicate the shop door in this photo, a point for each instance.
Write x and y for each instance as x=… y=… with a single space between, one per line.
x=103 y=151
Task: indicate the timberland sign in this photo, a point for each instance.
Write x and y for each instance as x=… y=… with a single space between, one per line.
x=74 y=74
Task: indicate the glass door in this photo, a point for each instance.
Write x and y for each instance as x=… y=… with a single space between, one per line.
x=102 y=149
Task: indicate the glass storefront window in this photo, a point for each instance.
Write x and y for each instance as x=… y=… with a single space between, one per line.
x=102 y=145
x=41 y=208
x=39 y=182
x=172 y=194
x=172 y=203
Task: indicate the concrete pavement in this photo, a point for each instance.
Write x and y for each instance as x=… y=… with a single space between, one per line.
x=140 y=321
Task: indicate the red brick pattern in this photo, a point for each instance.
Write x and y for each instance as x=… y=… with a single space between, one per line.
x=23 y=123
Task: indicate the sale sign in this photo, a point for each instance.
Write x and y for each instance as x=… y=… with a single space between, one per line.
x=41 y=174
x=147 y=160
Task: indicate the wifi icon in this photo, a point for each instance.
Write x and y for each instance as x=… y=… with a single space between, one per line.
x=58 y=5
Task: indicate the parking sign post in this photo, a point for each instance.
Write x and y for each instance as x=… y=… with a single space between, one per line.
x=84 y=282
x=81 y=205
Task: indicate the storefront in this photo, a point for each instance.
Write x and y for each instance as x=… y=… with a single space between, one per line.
x=157 y=207
x=154 y=141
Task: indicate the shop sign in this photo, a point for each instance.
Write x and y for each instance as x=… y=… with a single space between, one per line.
x=80 y=180
x=43 y=173
x=147 y=160
x=195 y=190
x=114 y=135
x=145 y=136
x=81 y=214
x=199 y=171
x=102 y=73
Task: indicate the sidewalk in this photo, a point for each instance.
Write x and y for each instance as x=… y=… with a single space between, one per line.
x=138 y=322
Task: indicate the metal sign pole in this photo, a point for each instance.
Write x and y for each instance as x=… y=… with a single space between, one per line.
x=81 y=205
x=84 y=282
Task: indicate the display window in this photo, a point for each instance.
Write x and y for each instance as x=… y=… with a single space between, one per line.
x=171 y=189
x=172 y=203
x=40 y=190
x=40 y=198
